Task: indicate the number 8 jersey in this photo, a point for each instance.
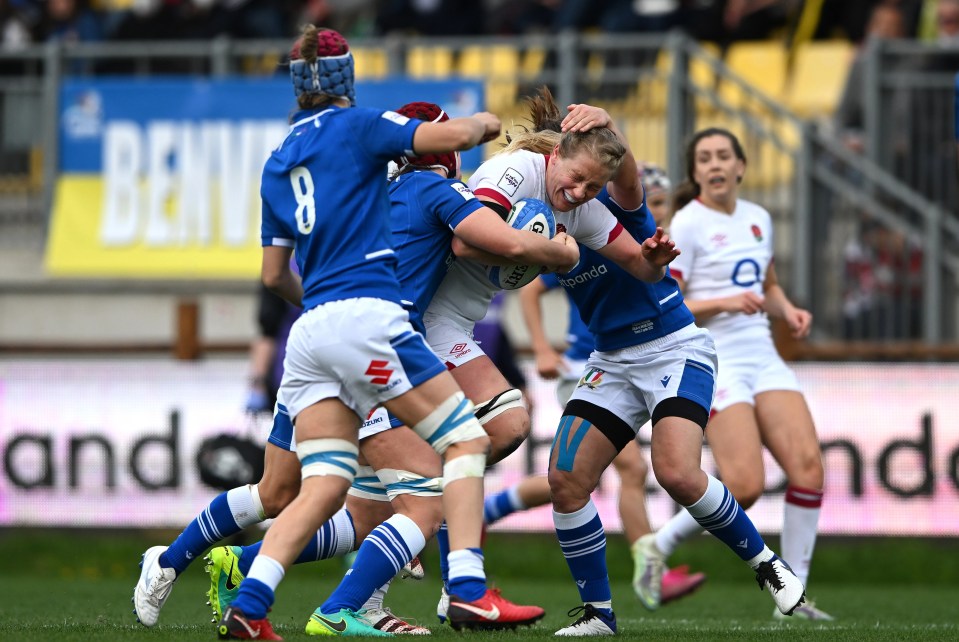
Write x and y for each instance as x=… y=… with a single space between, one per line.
x=723 y=255
x=325 y=194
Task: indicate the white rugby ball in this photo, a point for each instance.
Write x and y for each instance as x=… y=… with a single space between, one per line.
x=532 y=215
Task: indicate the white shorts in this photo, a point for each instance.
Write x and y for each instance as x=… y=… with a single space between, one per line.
x=362 y=351
x=747 y=372
x=631 y=382
x=452 y=343
x=569 y=379
x=378 y=421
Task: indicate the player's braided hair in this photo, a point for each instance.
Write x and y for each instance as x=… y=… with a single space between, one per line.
x=431 y=113
x=546 y=118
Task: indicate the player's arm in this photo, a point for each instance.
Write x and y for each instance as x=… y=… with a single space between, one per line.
x=704 y=309
x=276 y=274
x=548 y=361
x=486 y=231
x=625 y=187
x=647 y=261
x=778 y=305
x=456 y=134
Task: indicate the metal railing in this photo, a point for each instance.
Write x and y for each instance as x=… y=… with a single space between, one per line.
x=871 y=257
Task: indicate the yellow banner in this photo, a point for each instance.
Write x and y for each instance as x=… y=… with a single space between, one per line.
x=142 y=229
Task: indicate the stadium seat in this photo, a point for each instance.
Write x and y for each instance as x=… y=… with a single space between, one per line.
x=818 y=77
x=429 y=62
x=653 y=88
x=761 y=64
x=370 y=62
x=499 y=66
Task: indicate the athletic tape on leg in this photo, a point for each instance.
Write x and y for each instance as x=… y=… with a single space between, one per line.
x=320 y=457
x=452 y=422
x=366 y=485
x=463 y=467
x=567 y=448
x=403 y=482
x=499 y=404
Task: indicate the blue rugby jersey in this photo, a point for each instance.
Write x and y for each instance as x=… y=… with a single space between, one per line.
x=324 y=195
x=425 y=208
x=619 y=309
x=578 y=336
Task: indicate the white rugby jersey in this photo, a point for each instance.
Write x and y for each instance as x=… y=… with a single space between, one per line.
x=722 y=255
x=465 y=292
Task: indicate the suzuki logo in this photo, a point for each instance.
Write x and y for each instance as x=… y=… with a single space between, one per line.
x=378 y=372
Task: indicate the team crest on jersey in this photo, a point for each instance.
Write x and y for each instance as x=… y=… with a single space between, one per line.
x=757 y=233
x=592 y=378
x=510 y=181
x=560 y=228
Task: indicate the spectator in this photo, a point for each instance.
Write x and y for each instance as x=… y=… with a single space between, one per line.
x=885 y=22
x=69 y=21
x=14 y=30
x=431 y=17
x=883 y=285
x=727 y=21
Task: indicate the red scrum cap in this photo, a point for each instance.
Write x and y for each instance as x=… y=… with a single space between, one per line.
x=432 y=114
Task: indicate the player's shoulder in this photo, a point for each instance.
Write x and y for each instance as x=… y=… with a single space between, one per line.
x=753 y=209
x=684 y=216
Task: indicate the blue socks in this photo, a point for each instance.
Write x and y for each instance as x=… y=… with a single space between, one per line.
x=719 y=513
x=503 y=503
x=381 y=556
x=335 y=538
x=226 y=515
x=583 y=540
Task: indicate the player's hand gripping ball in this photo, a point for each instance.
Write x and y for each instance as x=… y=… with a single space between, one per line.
x=532 y=215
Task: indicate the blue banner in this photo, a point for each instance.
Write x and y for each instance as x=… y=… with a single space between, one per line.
x=90 y=106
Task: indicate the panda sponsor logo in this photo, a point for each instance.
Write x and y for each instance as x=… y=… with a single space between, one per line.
x=579 y=279
x=510 y=181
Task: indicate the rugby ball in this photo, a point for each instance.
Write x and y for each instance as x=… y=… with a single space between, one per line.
x=532 y=215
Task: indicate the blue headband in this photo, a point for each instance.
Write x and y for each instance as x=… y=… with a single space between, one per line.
x=330 y=75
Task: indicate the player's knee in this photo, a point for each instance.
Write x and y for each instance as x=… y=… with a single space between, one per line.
x=682 y=483
x=747 y=490
x=567 y=493
x=507 y=433
x=632 y=471
x=426 y=512
x=275 y=492
x=807 y=470
x=452 y=424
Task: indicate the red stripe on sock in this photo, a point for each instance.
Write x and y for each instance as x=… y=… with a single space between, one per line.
x=805 y=497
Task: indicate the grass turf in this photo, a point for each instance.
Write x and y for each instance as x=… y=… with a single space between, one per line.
x=77 y=586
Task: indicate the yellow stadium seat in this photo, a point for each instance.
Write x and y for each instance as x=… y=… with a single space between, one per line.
x=818 y=77
x=533 y=62
x=761 y=64
x=499 y=66
x=653 y=88
x=370 y=62
x=429 y=62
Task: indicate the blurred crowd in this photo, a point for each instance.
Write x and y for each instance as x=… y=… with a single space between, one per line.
x=32 y=21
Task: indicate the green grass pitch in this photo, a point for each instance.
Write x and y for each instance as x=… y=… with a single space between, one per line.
x=76 y=587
